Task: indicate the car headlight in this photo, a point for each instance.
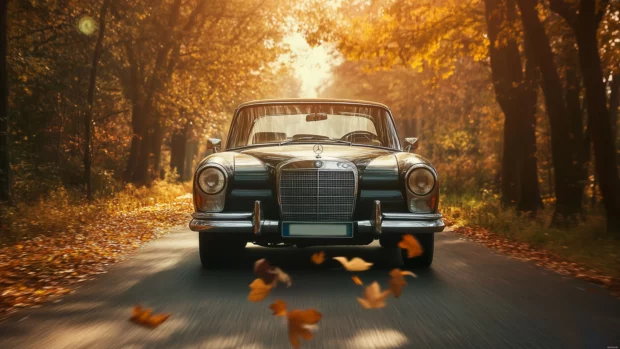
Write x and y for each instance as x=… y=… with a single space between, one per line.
x=211 y=180
x=421 y=181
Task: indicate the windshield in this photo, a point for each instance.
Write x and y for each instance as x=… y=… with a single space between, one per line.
x=313 y=122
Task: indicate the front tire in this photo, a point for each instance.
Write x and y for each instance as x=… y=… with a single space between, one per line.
x=216 y=250
x=427 y=242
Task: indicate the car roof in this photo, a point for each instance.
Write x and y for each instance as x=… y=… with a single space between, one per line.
x=312 y=100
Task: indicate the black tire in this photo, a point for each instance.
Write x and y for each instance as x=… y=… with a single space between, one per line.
x=216 y=250
x=427 y=241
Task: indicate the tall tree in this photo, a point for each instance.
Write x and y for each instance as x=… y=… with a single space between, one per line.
x=584 y=18
x=515 y=91
x=564 y=149
x=88 y=116
x=5 y=169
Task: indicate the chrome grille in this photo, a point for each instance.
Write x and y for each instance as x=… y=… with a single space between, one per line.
x=317 y=195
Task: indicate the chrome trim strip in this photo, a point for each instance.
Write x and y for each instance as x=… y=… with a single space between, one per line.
x=377 y=217
x=222 y=215
x=257 y=218
x=412 y=216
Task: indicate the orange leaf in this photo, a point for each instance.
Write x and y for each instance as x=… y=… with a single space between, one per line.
x=318 y=257
x=397 y=281
x=259 y=290
x=278 y=308
x=299 y=323
x=281 y=276
x=374 y=298
x=357 y=280
x=144 y=317
x=262 y=269
x=412 y=246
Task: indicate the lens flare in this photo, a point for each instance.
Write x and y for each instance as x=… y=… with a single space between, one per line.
x=87 y=25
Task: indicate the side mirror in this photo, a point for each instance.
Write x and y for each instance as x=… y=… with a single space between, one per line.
x=214 y=143
x=411 y=143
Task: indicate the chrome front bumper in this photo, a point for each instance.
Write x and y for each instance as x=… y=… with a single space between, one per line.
x=252 y=223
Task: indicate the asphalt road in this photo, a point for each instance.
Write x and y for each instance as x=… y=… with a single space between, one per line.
x=471 y=298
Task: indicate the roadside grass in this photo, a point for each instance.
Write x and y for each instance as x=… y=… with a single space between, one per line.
x=585 y=242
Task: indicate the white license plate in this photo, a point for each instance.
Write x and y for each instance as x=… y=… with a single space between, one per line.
x=317 y=229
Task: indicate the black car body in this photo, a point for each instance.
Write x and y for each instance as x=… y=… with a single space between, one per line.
x=289 y=175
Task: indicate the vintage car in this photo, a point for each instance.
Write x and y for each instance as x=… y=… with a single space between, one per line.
x=305 y=172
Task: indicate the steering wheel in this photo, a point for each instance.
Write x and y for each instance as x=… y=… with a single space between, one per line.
x=368 y=135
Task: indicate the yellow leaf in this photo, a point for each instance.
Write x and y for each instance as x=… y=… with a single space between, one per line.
x=355 y=264
x=374 y=298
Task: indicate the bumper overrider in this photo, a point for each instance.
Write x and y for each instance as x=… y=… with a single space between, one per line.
x=252 y=226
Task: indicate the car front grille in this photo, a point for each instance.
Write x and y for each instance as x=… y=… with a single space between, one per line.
x=317 y=195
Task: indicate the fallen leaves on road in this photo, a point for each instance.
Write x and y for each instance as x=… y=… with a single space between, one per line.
x=357 y=280
x=278 y=308
x=540 y=257
x=300 y=324
x=355 y=264
x=318 y=257
x=397 y=281
x=145 y=317
x=35 y=270
x=374 y=298
x=412 y=246
x=259 y=290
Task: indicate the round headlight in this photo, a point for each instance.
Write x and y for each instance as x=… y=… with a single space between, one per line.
x=421 y=181
x=211 y=180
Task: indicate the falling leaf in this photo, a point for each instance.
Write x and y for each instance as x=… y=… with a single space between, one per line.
x=281 y=276
x=145 y=317
x=412 y=246
x=278 y=308
x=262 y=269
x=355 y=264
x=357 y=280
x=259 y=290
x=397 y=281
x=374 y=298
x=318 y=257
x=299 y=324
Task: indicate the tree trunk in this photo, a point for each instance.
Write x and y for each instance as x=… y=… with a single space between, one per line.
x=156 y=144
x=516 y=94
x=5 y=168
x=563 y=147
x=598 y=115
x=177 y=152
x=529 y=200
x=614 y=103
x=88 y=116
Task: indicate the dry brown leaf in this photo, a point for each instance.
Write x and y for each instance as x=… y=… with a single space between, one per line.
x=259 y=290
x=318 y=257
x=262 y=269
x=146 y=318
x=278 y=308
x=299 y=324
x=374 y=298
x=281 y=276
x=355 y=264
x=397 y=281
x=412 y=246
x=357 y=280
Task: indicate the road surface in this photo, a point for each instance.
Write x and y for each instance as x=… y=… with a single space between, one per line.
x=471 y=298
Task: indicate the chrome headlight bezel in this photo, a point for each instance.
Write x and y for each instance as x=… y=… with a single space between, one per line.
x=412 y=171
x=221 y=173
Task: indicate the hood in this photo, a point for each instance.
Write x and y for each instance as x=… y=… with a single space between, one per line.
x=273 y=155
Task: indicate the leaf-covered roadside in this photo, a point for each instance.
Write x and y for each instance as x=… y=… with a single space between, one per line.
x=540 y=256
x=51 y=264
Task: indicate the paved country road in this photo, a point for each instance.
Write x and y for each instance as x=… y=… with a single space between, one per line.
x=471 y=298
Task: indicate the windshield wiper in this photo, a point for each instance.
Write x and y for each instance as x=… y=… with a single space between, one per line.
x=309 y=138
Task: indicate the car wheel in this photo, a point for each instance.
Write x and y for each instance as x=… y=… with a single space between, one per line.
x=216 y=251
x=427 y=242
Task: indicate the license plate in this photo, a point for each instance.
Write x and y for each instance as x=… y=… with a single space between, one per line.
x=318 y=230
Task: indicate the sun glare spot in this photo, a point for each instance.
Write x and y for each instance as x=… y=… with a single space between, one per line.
x=87 y=25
